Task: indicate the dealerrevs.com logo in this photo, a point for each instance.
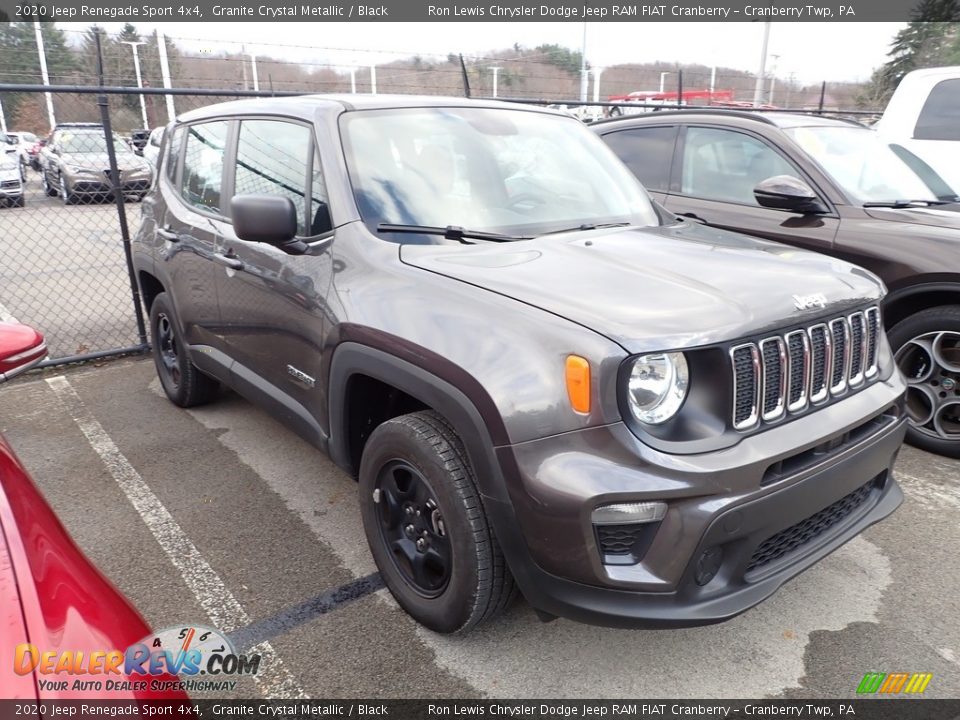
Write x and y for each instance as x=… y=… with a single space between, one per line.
x=187 y=652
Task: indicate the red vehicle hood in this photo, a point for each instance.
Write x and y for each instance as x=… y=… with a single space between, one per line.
x=53 y=598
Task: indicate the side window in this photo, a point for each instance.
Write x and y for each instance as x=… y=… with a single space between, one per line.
x=647 y=151
x=726 y=165
x=940 y=117
x=273 y=158
x=173 y=154
x=202 y=177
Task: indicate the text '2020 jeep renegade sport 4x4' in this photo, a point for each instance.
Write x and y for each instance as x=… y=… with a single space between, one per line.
x=539 y=379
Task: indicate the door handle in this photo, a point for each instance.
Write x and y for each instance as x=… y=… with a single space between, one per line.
x=694 y=217
x=167 y=233
x=230 y=261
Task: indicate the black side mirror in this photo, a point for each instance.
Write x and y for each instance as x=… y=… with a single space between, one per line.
x=785 y=192
x=270 y=219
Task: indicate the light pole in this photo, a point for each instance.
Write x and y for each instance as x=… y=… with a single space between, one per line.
x=773 y=77
x=758 y=87
x=43 y=72
x=134 y=44
x=584 y=79
x=3 y=120
x=256 y=76
x=373 y=79
x=353 y=80
x=663 y=77
x=495 y=71
x=165 y=73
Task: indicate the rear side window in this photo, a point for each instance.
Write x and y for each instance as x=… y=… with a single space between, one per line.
x=648 y=152
x=273 y=158
x=202 y=179
x=940 y=117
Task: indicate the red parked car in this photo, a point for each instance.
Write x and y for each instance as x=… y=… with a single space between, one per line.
x=51 y=596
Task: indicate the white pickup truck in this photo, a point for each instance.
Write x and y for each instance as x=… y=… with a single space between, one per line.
x=923 y=117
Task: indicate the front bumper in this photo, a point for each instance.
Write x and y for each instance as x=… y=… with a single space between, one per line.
x=755 y=515
x=86 y=186
x=11 y=189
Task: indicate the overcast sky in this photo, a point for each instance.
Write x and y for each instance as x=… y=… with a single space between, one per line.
x=814 y=51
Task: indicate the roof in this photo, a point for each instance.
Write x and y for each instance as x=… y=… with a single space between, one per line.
x=782 y=120
x=307 y=104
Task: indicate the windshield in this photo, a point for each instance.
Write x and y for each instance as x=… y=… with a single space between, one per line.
x=862 y=164
x=89 y=142
x=505 y=171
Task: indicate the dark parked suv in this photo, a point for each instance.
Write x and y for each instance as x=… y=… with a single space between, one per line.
x=540 y=380
x=832 y=186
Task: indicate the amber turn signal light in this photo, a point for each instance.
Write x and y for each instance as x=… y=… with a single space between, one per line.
x=578 y=383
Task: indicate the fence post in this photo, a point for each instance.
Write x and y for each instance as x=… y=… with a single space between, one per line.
x=118 y=195
x=679 y=89
x=823 y=92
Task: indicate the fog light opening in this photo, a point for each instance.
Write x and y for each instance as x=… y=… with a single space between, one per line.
x=708 y=564
x=629 y=513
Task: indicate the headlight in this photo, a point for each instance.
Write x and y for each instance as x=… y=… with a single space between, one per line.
x=76 y=168
x=657 y=387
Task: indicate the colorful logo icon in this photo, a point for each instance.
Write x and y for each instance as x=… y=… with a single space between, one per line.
x=894 y=683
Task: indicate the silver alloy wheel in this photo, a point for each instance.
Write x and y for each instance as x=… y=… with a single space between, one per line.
x=931 y=365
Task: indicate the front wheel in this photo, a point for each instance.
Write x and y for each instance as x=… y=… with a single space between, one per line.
x=183 y=384
x=426 y=525
x=48 y=189
x=927 y=350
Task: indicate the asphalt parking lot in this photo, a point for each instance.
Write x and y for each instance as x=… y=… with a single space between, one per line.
x=220 y=516
x=63 y=269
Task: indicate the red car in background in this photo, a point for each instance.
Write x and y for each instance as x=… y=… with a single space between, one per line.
x=51 y=596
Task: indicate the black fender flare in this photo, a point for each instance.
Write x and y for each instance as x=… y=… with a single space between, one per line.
x=440 y=394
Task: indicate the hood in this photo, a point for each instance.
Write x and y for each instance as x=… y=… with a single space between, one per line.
x=939 y=215
x=657 y=288
x=101 y=161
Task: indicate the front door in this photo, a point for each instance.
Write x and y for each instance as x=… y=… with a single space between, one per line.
x=718 y=170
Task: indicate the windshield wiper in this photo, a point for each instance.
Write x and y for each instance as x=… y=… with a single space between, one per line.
x=450 y=232
x=586 y=226
x=906 y=203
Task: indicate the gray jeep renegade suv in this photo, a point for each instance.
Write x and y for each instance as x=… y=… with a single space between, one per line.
x=542 y=381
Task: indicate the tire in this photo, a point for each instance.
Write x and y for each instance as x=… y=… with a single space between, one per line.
x=412 y=461
x=183 y=384
x=48 y=189
x=926 y=346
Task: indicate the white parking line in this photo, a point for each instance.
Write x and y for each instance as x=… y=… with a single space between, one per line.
x=224 y=610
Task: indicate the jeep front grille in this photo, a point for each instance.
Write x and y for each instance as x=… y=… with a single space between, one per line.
x=785 y=374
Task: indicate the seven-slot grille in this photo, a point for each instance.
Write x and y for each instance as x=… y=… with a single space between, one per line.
x=784 y=374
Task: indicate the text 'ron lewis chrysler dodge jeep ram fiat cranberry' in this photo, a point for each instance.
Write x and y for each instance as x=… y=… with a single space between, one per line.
x=542 y=382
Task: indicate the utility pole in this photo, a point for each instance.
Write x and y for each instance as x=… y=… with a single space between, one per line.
x=663 y=76
x=596 y=111
x=165 y=73
x=353 y=80
x=373 y=79
x=134 y=44
x=495 y=71
x=758 y=87
x=3 y=120
x=43 y=72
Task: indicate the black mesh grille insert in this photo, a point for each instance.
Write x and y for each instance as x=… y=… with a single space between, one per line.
x=618 y=539
x=839 y=352
x=746 y=383
x=772 y=376
x=856 y=344
x=795 y=349
x=873 y=335
x=804 y=531
x=818 y=343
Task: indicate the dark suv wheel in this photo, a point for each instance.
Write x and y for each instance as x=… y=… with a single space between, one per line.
x=182 y=382
x=426 y=525
x=926 y=346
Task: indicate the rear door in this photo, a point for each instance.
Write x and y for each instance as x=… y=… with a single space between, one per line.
x=273 y=303
x=714 y=173
x=189 y=225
